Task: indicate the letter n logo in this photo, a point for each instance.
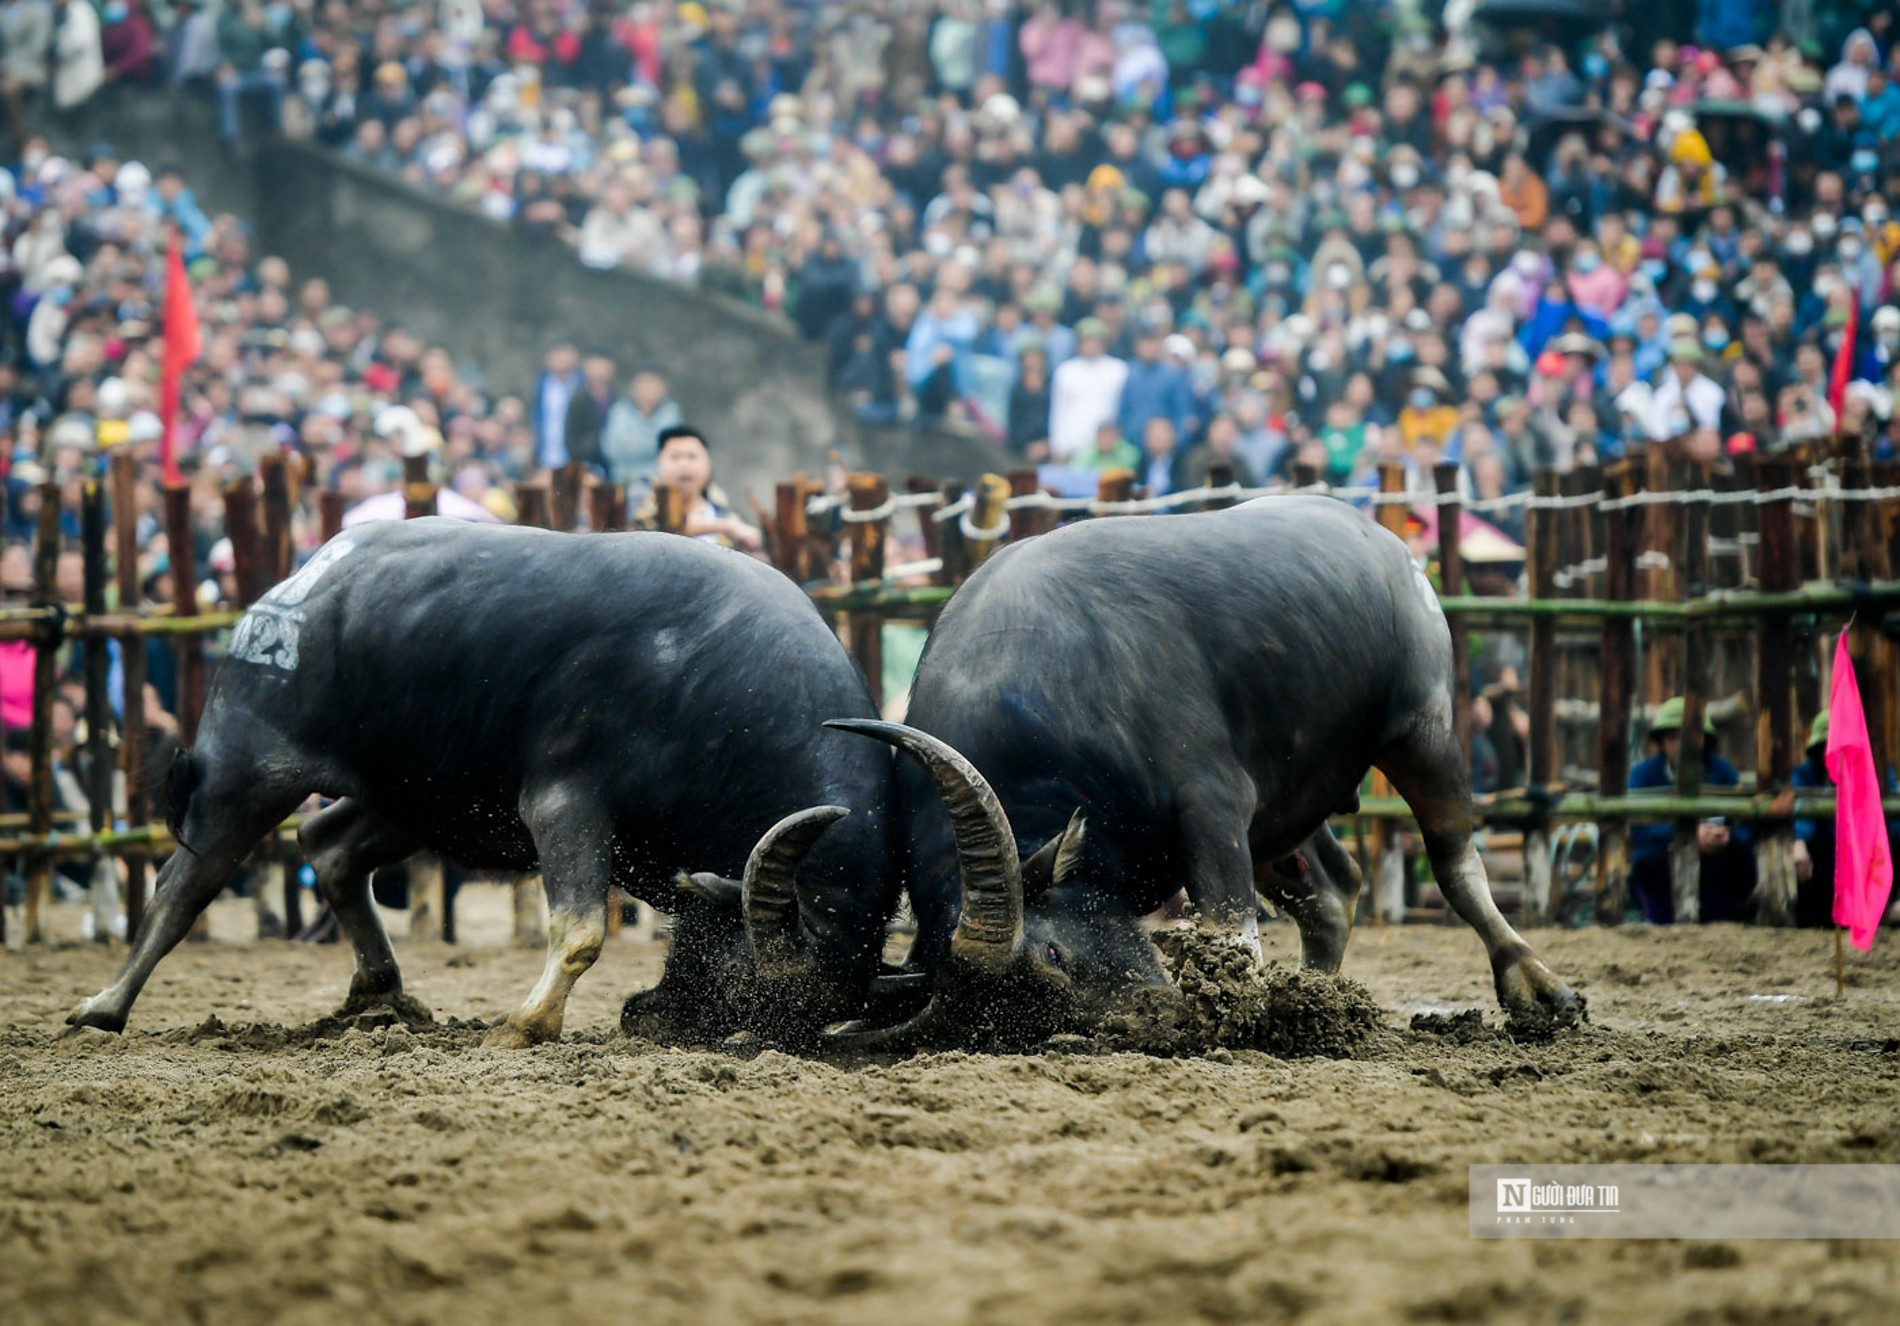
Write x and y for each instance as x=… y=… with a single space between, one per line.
x=1514 y=1195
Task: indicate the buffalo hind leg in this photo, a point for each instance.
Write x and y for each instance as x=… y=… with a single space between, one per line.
x=1318 y=886
x=1427 y=768
x=187 y=883
x=345 y=844
x=575 y=844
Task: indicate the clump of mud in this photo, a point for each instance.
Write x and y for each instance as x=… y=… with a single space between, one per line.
x=1219 y=1000
x=1522 y=1026
x=401 y=1022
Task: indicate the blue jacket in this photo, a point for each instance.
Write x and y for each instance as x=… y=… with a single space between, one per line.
x=1151 y=390
x=1651 y=841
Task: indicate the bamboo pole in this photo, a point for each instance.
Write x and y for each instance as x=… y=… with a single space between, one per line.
x=533 y=505
x=1692 y=559
x=1451 y=580
x=418 y=492
x=330 y=513
x=39 y=867
x=240 y=527
x=993 y=492
x=1621 y=537
x=1115 y=486
x=928 y=530
x=104 y=889
x=868 y=540
x=1388 y=852
x=566 y=495
x=1542 y=766
x=133 y=670
x=279 y=555
x=789 y=551
x=955 y=548
x=184 y=573
x=1775 y=742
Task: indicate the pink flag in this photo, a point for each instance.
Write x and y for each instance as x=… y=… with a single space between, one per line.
x=1863 y=861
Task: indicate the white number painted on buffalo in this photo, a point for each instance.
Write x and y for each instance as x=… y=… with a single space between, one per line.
x=268 y=633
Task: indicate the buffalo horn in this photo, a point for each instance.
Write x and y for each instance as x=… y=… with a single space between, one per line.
x=990 y=923
x=771 y=893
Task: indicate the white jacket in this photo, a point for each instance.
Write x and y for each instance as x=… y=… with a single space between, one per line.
x=81 y=62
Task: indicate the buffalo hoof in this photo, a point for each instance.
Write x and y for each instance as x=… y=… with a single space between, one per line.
x=1529 y=989
x=512 y=1035
x=407 y=1008
x=89 y=1017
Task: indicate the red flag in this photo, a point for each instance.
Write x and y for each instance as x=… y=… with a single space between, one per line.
x=1863 y=860
x=183 y=345
x=1844 y=358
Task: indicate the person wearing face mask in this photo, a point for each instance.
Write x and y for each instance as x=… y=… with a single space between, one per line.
x=1427 y=412
x=1860 y=265
x=1880 y=350
x=128 y=42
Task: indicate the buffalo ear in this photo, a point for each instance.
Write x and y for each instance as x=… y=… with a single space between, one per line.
x=1055 y=860
x=704 y=886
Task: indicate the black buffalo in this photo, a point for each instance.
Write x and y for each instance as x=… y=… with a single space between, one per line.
x=1126 y=707
x=603 y=709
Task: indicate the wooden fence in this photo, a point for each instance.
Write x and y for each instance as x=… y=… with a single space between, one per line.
x=1645 y=580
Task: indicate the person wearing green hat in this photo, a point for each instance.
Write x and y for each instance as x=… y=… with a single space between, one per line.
x=1728 y=858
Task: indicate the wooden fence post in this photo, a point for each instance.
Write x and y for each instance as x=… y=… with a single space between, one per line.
x=39 y=865
x=104 y=890
x=1622 y=533
x=133 y=670
x=1775 y=723
x=532 y=508
x=1545 y=520
x=418 y=491
x=868 y=538
x=991 y=512
x=1692 y=560
x=955 y=548
x=929 y=532
x=566 y=496
x=789 y=551
x=1451 y=580
x=1115 y=486
x=279 y=555
x=184 y=573
x=1027 y=521
x=1388 y=851
x=240 y=527
x=428 y=907
x=329 y=513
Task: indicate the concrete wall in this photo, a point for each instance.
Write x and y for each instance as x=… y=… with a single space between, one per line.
x=495 y=297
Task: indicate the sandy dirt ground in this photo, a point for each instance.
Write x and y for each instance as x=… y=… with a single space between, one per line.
x=224 y=1162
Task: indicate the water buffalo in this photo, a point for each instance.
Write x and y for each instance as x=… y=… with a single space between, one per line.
x=603 y=709
x=1124 y=707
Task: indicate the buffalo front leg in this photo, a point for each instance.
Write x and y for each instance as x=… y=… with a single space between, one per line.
x=1318 y=886
x=345 y=844
x=1220 y=872
x=187 y=883
x=1428 y=771
x=574 y=842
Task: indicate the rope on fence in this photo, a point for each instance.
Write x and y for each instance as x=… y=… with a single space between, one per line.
x=1041 y=501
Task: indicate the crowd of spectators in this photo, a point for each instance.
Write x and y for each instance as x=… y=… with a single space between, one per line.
x=1239 y=233
x=1172 y=234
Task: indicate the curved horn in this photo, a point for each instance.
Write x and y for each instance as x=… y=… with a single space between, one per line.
x=770 y=894
x=991 y=917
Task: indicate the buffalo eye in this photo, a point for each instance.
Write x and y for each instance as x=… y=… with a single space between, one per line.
x=1053 y=953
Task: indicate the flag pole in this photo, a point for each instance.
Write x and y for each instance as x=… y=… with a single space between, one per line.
x=1840 y=975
